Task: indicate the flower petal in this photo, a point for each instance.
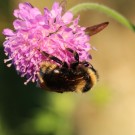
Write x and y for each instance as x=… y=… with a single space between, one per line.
x=8 y=32
x=67 y=17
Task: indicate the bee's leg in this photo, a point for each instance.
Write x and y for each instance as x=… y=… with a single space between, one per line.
x=76 y=57
x=64 y=64
x=41 y=82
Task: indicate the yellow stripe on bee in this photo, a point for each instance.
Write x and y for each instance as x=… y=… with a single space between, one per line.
x=80 y=86
x=45 y=65
x=92 y=76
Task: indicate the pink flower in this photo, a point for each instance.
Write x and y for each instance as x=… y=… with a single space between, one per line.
x=51 y=32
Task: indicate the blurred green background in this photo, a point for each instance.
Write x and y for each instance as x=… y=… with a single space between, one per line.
x=108 y=109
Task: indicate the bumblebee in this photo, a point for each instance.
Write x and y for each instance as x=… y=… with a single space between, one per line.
x=79 y=76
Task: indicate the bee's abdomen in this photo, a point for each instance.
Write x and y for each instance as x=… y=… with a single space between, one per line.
x=88 y=84
x=91 y=79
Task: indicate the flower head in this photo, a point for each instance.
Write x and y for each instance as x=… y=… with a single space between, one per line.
x=50 y=32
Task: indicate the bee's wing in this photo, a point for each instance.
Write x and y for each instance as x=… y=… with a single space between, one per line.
x=63 y=4
x=96 y=28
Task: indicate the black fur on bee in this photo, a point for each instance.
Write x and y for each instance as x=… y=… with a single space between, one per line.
x=79 y=76
x=61 y=77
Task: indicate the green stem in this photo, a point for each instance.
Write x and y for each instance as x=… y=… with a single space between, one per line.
x=108 y=11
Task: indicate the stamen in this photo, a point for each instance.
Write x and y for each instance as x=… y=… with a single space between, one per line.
x=28 y=80
x=9 y=65
x=6 y=60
